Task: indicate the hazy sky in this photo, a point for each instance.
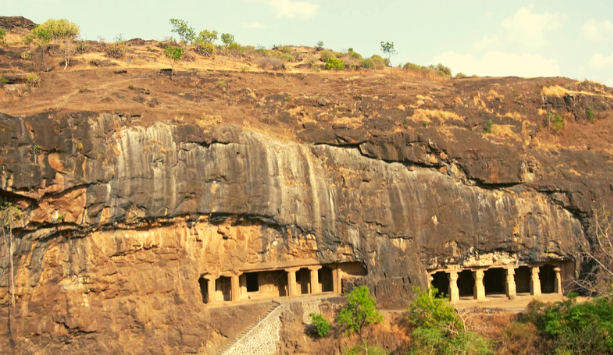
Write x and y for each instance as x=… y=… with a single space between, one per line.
x=485 y=37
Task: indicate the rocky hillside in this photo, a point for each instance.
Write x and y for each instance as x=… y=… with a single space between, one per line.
x=132 y=184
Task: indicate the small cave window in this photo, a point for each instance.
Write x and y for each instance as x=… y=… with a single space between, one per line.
x=440 y=281
x=253 y=284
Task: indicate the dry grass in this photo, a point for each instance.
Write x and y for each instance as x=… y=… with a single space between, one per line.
x=422 y=115
x=502 y=132
x=558 y=91
x=493 y=95
x=513 y=115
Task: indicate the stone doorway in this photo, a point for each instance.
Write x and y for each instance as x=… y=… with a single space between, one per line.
x=548 y=279
x=303 y=281
x=466 y=284
x=440 y=281
x=523 y=277
x=326 y=280
x=273 y=283
x=495 y=281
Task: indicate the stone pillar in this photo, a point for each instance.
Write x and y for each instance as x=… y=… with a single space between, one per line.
x=479 y=288
x=558 y=286
x=535 y=285
x=430 y=279
x=337 y=284
x=210 y=296
x=235 y=287
x=291 y=281
x=511 y=288
x=454 y=291
x=315 y=279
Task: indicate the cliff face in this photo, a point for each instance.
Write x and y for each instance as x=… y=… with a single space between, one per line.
x=123 y=219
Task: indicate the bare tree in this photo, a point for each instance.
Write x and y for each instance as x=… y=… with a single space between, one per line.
x=596 y=253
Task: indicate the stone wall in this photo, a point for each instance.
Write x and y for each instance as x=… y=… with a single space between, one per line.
x=263 y=339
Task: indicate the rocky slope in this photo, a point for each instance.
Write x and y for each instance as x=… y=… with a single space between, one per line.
x=134 y=185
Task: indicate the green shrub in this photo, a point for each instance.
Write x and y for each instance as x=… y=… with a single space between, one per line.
x=460 y=76
x=436 y=328
x=367 y=63
x=379 y=61
x=115 y=50
x=355 y=55
x=361 y=309
x=32 y=79
x=206 y=49
x=488 y=126
x=365 y=349
x=443 y=70
x=322 y=326
x=335 y=64
x=2 y=33
x=590 y=115
x=558 y=124
x=324 y=56
x=3 y=79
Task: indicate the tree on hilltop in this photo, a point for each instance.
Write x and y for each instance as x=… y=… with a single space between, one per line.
x=388 y=49
x=186 y=33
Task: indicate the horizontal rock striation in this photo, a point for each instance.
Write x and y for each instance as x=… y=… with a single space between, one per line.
x=122 y=219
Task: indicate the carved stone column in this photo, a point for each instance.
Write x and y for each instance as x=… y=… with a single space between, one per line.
x=454 y=291
x=235 y=287
x=479 y=288
x=315 y=279
x=558 y=286
x=535 y=285
x=430 y=279
x=291 y=281
x=210 y=295
x=511 y=287
x=337 y=280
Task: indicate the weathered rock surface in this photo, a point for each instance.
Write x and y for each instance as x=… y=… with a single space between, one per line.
x=121 y=220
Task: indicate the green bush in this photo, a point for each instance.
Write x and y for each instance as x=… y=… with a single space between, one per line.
x=334 y=64
x=365 y=349
x=206 y=49
x=227 y=39
x=590 y=115
x=322 y=326
x=460 y=76
x=585 y=328
x=324 y=56
x=361 y=309
x=558 y=124
x=436 y=328
x=115 y=50
x=354 y=55
x=2 y=33
x=379 y=61
x=488 y=126
x=367 y=63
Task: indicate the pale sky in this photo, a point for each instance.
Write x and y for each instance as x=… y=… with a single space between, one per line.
x=498 y=38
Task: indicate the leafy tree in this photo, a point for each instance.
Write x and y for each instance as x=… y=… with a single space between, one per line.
x=320 y=45
x=207 y=36
x=388 y=49
x=61 y=31
x=367 y=63
x=174 y=54
x=322 y=326
x=227 y=39
x=361 y=309
x=180 y=27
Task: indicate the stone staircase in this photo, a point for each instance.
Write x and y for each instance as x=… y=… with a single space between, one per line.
x=227 y=350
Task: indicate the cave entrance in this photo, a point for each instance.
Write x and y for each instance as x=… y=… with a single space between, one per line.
x=466 y=284
x=303 y=281
x=326 y=281
x=494 y=281
x=223 y=288
x=253 y=283
x=440 y=281
x=272 y=283
x=523 y=277
x=204 y=289
x=548 y=279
